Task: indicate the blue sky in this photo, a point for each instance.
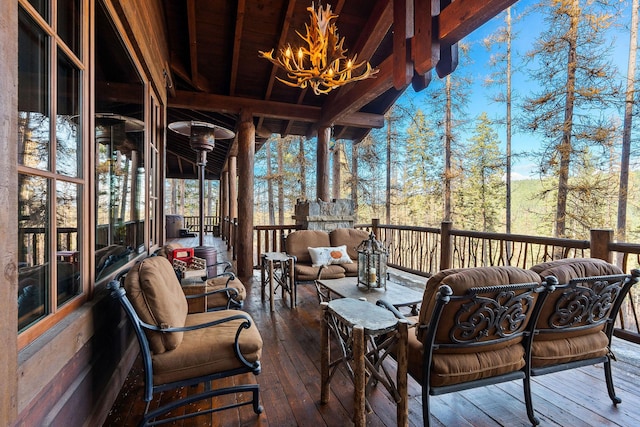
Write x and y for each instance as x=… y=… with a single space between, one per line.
x=526 y=30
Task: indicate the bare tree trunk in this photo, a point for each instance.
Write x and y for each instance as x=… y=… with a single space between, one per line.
x=388 y=190
x=182 y=203
x=271 y=207
x=280 y=181
x=174 y=197
x=335 y=189
x=508 y=160
x=303 y=169
x=564 y=149
x=447 y=152
x=354 y=177
x=621 y=229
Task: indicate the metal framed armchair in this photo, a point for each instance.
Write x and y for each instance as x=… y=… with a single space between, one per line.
x=576 y=323
x=180 y=349
x=472 y=330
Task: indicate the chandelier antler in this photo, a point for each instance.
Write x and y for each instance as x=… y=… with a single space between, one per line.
x=322 y=63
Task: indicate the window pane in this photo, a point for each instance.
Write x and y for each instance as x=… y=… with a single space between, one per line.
x=33 y=99
x=67 y=219
x=42 y=6
x=69 y=23
x=33 y=253
x=68 y=153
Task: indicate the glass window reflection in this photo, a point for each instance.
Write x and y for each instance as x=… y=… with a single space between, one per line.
x=67 y=253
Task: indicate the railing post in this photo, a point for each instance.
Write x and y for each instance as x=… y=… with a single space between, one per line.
x=445 y=244
x=375 y=222
x=600 y=240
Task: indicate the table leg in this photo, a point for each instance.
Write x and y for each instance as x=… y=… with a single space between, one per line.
x=263 y=284
x=324 y=355
x=359 y=399
x=271 y=292
x=401 y=381
x=292 y=283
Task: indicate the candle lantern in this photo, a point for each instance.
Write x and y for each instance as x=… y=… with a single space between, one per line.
x=372 y=263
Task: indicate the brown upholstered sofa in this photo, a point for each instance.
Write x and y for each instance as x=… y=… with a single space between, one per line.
x=297 y=244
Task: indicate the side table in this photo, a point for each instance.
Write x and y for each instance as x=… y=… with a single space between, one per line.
x=366 y=335
x=277 y=270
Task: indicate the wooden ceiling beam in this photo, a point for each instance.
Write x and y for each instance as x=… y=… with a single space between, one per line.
x=270 y=109
x=462 y=17
x=360 y=95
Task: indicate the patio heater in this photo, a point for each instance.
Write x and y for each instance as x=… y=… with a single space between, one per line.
x=202 y=137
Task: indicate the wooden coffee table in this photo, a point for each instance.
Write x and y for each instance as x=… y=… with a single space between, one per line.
x=396 y=294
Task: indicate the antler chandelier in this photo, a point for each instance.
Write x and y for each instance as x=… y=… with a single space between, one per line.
x=322 y=63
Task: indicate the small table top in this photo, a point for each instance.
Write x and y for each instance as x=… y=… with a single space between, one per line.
x=396 y=294
x=276 y=256
x=374 y=319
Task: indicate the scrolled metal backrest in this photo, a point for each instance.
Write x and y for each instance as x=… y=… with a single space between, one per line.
x=497 y=312
x=588 y=302
x=491 y=314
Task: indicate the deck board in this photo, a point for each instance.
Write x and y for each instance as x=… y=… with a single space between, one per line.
x=290 y=384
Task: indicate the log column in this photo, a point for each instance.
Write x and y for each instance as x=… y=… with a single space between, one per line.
x=224 y=204
x=246 y=158
x=322 y=170
x=233 y=197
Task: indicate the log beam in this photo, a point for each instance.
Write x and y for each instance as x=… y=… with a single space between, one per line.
x=246 y=160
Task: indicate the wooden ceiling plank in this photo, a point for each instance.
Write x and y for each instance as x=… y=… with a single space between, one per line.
x=283 y=36
x=237 y=42
x=193 y=40
x=421 y=47
x=462 y=17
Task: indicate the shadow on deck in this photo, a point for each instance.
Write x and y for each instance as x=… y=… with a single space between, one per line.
x=290 y=383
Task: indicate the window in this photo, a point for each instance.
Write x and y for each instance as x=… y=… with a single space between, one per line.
x=51 y=181
x=120 y=165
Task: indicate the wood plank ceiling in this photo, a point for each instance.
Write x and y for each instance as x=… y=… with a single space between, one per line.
x=216 y=72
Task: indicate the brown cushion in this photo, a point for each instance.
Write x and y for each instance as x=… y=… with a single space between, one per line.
x=305 y=272
x=298 y=243
x=350 y=270
x=208 y=350
x=562 y=350
x=454 y=368
x=156 y=295
x=350 y=237
x=220 y=299
x=461 y=280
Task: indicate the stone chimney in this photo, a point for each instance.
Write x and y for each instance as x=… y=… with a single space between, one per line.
x=326 y=216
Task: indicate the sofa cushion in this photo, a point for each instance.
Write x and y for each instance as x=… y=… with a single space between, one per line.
x=306 y=272
x=156 y=295
x=350 y=237
x=350 y=270
x=220 y=299
x=298 y=242
x=329 y=255
x=207 y=350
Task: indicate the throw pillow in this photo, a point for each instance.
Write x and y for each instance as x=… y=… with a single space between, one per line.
x=329 y=255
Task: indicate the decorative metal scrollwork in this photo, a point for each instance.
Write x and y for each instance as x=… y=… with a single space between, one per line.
x=483 y=316
x=585 y=305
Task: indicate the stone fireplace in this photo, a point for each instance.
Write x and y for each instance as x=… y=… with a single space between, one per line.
x=326 y=216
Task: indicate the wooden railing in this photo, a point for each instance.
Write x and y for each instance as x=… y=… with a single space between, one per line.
x=426 y=250
x=211 y=224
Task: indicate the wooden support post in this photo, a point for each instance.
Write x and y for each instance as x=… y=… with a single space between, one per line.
x=600 y=240
x=224 y=204
x=445 y=245
x=233 y=193
x=375 y=227
x=322 y=169
x=246 y=159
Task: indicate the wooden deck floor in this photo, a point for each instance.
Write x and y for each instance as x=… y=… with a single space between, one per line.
x=290 y=385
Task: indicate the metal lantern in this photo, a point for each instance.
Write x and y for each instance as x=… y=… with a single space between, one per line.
x=372 y=263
